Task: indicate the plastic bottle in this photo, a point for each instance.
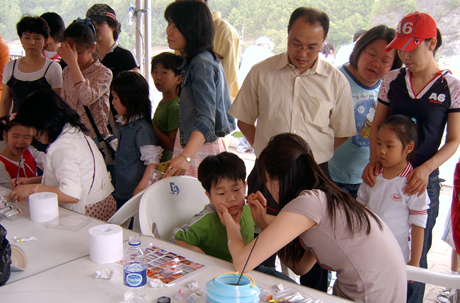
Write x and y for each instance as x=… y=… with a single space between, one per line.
x=134 y=272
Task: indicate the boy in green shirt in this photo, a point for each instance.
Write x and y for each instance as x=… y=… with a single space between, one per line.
x=167 y=78
x=223 y=178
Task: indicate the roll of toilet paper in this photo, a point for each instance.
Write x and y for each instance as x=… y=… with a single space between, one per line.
x=105 y=243
x=43 y=207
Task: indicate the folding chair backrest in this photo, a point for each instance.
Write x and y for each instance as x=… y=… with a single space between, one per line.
x=170 y=203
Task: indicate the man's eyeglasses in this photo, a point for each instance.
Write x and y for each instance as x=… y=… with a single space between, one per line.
x=307 y=49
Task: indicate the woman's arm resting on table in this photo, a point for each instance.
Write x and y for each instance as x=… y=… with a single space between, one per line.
x=284 y=228
x=22 y=192
x=417 y=180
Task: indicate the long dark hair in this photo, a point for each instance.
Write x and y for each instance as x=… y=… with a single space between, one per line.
x=133 y=91
x=289 y=159
x=47 y=113
x=379 y=32
x=193 y=19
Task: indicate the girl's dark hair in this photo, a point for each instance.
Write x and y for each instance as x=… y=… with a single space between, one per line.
x=168 y=61
x=56 y=25
x=47 y=113
x=225 y=165
x=82 y=33
x=438 y=41
x=33 y=25
x=193 y=19
x=405 y=129
x=6 y=125
x=116 y=27
x=133 y=91
x=311 y=16
x=379 y=32
x=289 y=159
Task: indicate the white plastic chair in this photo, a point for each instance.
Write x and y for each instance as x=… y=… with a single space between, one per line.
x=170 y=203
x=129 y=210
x=433 y=277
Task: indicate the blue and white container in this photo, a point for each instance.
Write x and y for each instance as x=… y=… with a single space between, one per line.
x=223 y=289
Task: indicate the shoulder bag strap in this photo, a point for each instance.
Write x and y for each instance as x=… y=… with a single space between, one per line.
x=93 y=124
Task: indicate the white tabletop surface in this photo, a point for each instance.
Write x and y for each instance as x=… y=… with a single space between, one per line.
x=75 y=281
x=53 y=247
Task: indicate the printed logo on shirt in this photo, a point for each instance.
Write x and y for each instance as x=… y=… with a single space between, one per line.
x=396 y=197
x=435 y=98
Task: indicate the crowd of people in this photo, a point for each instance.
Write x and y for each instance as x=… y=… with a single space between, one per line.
x=347 y=157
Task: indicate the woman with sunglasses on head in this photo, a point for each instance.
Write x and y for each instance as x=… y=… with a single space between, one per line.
x=431 y=97
x=86 y=80
x=368 y=64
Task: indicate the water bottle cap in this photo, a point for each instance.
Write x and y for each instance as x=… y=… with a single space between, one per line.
x=134 y=241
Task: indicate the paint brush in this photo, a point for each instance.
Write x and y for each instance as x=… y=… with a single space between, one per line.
x=250 y=253
x=19 y=169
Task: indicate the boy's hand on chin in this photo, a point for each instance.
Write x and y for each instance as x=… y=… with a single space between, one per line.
x=228 y=219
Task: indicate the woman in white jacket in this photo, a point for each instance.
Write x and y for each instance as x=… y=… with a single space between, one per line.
x=74 y=169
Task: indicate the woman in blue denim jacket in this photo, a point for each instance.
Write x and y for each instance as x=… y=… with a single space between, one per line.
x=204 y=96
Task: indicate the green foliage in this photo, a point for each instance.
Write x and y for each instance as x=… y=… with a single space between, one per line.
x=251 y=18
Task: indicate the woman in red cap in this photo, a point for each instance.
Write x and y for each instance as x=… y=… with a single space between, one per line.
x=429 y=96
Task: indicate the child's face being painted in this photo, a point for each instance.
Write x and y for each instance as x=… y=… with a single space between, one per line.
x=165 y=80
x=230 y=194
x=18 y=139
x=390 y=149
x=120 y=108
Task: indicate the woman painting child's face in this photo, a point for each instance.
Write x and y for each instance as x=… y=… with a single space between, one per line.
x=18 y=139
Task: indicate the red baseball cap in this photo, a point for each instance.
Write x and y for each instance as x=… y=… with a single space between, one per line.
x=412 y=30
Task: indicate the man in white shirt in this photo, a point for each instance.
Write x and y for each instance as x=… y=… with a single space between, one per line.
x=296 y=92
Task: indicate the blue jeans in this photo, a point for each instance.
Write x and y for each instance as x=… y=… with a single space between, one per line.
x=416 y=290
x=352 y=189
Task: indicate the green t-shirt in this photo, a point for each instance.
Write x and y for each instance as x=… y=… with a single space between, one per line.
x=166 y=118
x=207 y=232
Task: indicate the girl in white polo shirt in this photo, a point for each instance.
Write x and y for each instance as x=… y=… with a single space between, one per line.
x=405 y=215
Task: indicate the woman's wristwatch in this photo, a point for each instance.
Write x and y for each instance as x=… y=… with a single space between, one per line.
x=187 y=159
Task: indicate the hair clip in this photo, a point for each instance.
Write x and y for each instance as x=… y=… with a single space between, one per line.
x=88 y=22
x=11 y=117
x=414 y=120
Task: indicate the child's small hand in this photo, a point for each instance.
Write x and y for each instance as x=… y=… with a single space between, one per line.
x=228 y=219
x=21 y=181
x=68 y=52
